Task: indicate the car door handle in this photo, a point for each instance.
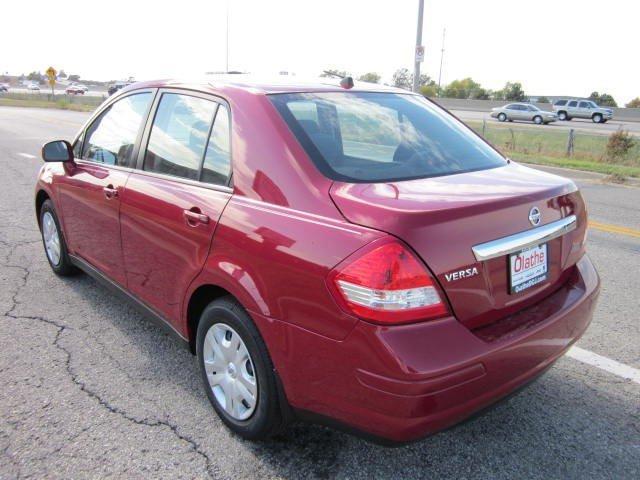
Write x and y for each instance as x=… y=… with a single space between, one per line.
x=110 y=192
x=193 y=217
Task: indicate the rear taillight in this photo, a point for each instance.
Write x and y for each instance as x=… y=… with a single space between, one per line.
x=386 y=283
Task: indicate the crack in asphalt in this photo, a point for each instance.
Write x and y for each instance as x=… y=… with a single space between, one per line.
x=60 y=329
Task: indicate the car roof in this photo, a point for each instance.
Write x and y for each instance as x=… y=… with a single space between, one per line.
x=266 y=85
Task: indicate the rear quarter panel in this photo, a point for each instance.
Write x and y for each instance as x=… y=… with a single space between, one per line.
x=275 y=260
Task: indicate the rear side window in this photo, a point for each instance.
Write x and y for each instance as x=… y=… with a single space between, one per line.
x=217 y=160
x=380 y=137
x=111 y=137
x=560 y=103
x=573 y=103
x=179 y=134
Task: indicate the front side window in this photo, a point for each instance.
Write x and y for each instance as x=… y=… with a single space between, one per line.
x=584 y=105
x=111 y=137
x=378 y=137
x=179 y=134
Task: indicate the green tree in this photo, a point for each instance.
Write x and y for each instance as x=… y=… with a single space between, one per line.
x=371 y=77
x=464 y=88
x=403 y=79
x=481 y=94
x=36 y=77
x=635 y=103
x=512 y=92
x=430 y=90
x=604 y=99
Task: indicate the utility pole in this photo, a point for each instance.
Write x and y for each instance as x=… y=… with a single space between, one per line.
x=226 y=69
x=444 y=30
x=416 y=70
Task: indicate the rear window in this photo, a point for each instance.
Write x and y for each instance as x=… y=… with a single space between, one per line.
x=381 y=137
x=560 y=103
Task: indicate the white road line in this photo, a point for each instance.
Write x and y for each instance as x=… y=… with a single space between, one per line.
x=26 y=155
x=604 y=363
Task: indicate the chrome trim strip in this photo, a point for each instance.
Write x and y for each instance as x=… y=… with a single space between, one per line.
x=528 y=238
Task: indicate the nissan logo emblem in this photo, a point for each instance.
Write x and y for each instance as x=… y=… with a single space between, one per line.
x=535 y=216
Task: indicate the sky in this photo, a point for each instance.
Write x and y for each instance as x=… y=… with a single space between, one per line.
x=553 y=47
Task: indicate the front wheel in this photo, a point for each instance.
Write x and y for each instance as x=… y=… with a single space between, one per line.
x=237 y=372
x=597 y=118
x=537 y=120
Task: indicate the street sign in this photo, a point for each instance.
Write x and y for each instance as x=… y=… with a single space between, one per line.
x=419 y=53
x=51 y=76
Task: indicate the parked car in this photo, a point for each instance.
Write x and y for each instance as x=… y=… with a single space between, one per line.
x=33 y=87
x=350 y=255
x=575 y=108
x=74 y=90
x=4 y=87
x=523 y=112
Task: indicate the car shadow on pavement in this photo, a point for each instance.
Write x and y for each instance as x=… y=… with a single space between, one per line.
x=574 y=422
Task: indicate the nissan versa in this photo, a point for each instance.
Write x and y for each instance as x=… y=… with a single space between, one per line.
x=352 y=255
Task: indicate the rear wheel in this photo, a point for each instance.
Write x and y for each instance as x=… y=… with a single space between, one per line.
x=563 y=116
x=237 y=372
x=502 y=117
x=53 y=241
x=537 y=120
x=597 y=118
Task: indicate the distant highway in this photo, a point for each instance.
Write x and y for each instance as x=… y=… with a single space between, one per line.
x=586 y=126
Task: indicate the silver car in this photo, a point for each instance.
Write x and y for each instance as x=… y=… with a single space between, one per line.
x=524 y=112
x=575 y=108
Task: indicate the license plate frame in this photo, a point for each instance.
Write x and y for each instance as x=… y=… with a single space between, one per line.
x=523 y=277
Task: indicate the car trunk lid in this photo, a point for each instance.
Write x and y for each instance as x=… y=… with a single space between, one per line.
x=443 y=218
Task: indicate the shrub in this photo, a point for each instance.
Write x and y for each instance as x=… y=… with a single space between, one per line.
x=370 y=77
x=619 y=144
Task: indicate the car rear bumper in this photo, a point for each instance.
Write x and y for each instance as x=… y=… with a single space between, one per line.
x=405 y=382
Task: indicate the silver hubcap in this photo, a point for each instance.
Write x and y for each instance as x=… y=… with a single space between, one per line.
x=51 y=238
x=230 y=371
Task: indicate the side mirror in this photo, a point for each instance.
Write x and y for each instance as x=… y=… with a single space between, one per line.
x=57 y=151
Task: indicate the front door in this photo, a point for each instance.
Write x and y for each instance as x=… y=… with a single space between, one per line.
x=172 y=202
x=91 y=191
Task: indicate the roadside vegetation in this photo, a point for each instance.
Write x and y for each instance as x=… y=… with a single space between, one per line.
x=44 y=100
x=617 y=154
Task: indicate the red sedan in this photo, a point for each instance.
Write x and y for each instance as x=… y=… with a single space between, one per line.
x=347 y=254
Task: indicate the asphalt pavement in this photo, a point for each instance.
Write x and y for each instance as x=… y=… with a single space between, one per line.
x=90 y=388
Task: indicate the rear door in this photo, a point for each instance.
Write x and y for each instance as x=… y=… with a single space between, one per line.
x=174 y=198
x=90 y=193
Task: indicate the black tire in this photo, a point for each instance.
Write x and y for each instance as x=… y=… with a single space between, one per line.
x=64 y=267
x=267 y=418
x=502 y=117
x=563 y=116
x=537 y=120
x=597 y=118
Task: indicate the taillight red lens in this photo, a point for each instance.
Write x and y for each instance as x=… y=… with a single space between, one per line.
x=387 y=284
